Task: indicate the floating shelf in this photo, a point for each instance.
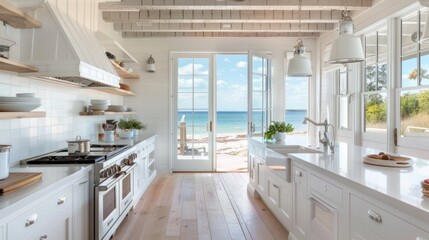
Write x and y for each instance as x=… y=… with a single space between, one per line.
x=105 y=113
x=12 y=66
x=115 y=48
x=16 y=17
x=124 y=73
x=113 y=90
x=12 y=115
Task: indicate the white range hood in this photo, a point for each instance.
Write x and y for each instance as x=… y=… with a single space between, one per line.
x=65 y=52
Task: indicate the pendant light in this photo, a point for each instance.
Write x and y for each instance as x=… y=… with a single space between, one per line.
x=299 y=65
x=346 y=48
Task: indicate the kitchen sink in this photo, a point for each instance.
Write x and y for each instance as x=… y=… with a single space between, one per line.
x=277 y=159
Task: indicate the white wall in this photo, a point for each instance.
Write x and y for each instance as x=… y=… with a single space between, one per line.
x=152 y=100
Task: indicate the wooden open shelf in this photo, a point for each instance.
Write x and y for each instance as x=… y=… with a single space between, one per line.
x=105 y=113
x=12 y=66
x=16 y=17
x=114 y=90
x=12 y=115
x=124 y=73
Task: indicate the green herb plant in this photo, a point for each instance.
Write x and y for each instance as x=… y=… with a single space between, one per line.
x=136 y=124
x=125 y=125
x=275 y=127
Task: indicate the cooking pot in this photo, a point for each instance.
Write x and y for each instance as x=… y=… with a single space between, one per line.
x=78 y=146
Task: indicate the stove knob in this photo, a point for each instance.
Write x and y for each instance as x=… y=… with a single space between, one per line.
x=102 y=174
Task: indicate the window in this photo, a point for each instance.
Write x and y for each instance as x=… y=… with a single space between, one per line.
x=375 y=85
x=343 y=99
x=296 y=97
x=413 y=89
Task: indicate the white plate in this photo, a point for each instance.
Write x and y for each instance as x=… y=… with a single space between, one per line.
x=19 y=99
x=100 y=101
x=27 y=95
x=97 y=108
x=23 y=107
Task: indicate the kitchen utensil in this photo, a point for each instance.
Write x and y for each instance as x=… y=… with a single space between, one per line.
x=79 y=146
x=387 y=163
x=17 y=180
x=26 y=95
x=109 y=136
x=4 y=161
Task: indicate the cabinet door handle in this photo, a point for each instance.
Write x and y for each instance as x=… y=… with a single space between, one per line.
x=374 y=216
x=321 y=205
x=298 y=173
x=44 y=237
x=61 y=200
x=81 y=183
x=31 y=220
x=275 y=186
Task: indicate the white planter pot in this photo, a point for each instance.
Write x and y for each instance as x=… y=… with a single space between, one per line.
x=280 y=136
x=136 y=132
x=126 y=134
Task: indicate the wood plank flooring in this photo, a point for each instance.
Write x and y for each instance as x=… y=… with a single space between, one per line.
x=186 y=206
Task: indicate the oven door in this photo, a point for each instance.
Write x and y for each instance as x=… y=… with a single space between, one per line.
x=126 y=188
x=106 y=205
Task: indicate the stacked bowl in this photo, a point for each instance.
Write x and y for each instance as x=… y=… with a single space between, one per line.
x=23 y=102
x=117 y=108
x=99 y=105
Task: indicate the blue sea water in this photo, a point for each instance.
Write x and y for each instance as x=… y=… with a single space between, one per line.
x=236 y=122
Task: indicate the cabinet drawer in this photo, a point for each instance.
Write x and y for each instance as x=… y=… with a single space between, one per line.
x=383 y=222
x=326 y=190
x=31 y=220
x=359 y=232
x=273 y=192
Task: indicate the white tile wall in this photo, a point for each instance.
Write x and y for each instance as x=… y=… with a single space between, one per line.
x=35 y=136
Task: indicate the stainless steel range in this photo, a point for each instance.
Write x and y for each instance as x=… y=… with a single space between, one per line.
x=112 y=188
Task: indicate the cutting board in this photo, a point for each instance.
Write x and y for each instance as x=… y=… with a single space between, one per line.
x=17 y=180
x=400 y=161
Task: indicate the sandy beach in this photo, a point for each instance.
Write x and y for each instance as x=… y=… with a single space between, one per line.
x=231 y=150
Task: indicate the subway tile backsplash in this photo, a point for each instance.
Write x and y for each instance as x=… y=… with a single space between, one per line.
x=34 y=136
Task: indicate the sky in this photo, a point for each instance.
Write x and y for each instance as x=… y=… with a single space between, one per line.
x=231 y=81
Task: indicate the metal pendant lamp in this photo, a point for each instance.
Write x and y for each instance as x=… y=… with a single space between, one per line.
x=346 y=48
x=299 y=65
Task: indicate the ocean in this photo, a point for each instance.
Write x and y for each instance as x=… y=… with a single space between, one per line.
x=236 y=122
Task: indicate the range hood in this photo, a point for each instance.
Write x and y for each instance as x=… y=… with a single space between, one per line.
x=65 y=52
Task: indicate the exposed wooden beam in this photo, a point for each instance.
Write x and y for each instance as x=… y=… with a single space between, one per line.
x=222 y=16
x=218 y=27
x=312 y=5
x=214 y=34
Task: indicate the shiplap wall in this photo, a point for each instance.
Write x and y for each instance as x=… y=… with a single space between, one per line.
x=30 y=137
x=152 y=100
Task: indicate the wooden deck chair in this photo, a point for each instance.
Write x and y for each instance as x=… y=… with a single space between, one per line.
x=182 y=135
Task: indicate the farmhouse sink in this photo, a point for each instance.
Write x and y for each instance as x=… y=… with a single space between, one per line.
x=278 y=162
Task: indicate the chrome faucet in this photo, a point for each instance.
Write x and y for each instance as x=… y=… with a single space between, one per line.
x=326 y=141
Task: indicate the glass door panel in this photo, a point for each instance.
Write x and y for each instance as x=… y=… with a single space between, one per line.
x=192 y=83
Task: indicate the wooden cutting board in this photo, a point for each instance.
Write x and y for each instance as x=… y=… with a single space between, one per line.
x=17 y=180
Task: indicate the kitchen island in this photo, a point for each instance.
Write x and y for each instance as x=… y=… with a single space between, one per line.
x=337 y=196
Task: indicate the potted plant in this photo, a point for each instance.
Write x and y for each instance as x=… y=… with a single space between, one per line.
x=126 y=127
x=137 y=125
x=278 y=130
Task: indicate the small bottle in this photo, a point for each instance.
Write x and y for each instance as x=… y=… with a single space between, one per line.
x=100 y=132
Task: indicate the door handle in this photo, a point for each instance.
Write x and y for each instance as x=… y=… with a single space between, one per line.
x=211 y=126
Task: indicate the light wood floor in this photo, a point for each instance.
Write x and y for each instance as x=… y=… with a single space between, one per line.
x=189 y=206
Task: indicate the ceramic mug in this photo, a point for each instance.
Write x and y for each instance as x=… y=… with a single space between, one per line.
x=109 y=136
x=4 y=161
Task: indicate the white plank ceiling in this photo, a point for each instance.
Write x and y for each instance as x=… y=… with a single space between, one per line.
x=226 y=18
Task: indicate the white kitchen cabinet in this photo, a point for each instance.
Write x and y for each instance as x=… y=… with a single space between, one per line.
x=261 y=176
x=381 y=221
x=300 y=201
x=359 y=231
x=252 y=170
x=58 y=228
x=28 y=222
x=1 y=233
x=279 y=198
x=81 y=209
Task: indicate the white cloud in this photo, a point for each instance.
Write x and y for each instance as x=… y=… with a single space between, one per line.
x=241 y=64
x=187 y=69
x=226 y=59
x=221 y=83
x=198 y=83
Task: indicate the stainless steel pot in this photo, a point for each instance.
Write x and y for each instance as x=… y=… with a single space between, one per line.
x=79 y=146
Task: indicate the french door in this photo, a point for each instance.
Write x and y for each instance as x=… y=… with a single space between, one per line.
x=259 y=93
x=194 y=107
x=193 y=111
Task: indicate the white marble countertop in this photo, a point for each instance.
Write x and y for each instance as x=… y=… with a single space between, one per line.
x=54 y=176
x=400 y=185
